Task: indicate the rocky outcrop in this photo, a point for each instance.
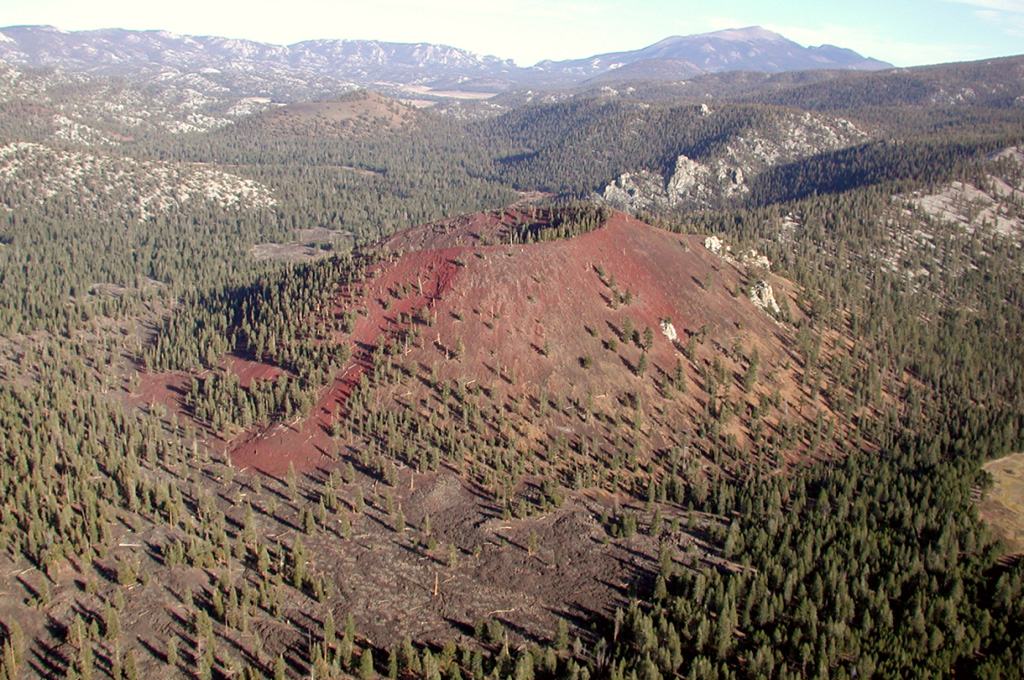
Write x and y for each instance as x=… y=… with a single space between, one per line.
x=992 y=206
x=750 y=258
x=129 y=189
x=762 y=295
x=711 y=182
x=668 y=330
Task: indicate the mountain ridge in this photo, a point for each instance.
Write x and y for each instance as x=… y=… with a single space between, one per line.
x=764 y=50
x=151 y=53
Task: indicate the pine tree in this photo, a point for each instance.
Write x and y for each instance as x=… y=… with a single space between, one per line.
x=171 y=655
x=524 y=667
x=452 y=556
x=329 y=633
x=85 y=661
x=111 y=623
x=627 y=329
x=298 y=563
x=561 y=641
x=366 y=671
x=393 y=664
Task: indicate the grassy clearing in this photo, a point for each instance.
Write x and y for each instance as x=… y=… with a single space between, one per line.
x=1003 y=505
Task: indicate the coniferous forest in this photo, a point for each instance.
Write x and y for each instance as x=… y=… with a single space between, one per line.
x=257 y=420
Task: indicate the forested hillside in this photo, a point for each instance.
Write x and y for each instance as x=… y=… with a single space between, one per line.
x=468 y=420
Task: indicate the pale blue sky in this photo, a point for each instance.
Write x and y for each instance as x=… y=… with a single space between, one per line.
x=904 y=32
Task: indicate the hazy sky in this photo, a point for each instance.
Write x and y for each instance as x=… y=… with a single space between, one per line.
x=904 y=32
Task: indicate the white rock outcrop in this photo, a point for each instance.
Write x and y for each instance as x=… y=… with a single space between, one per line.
x=706 y=183
x=750 y=259
x=669 y=330
x=762 y=295
x=134 y=189
x=714 y=244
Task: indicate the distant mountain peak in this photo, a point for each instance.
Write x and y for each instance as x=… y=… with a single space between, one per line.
x=748 y=34
x=735 y=49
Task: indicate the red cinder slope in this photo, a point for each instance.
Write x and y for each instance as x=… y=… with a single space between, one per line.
x=531 y=323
